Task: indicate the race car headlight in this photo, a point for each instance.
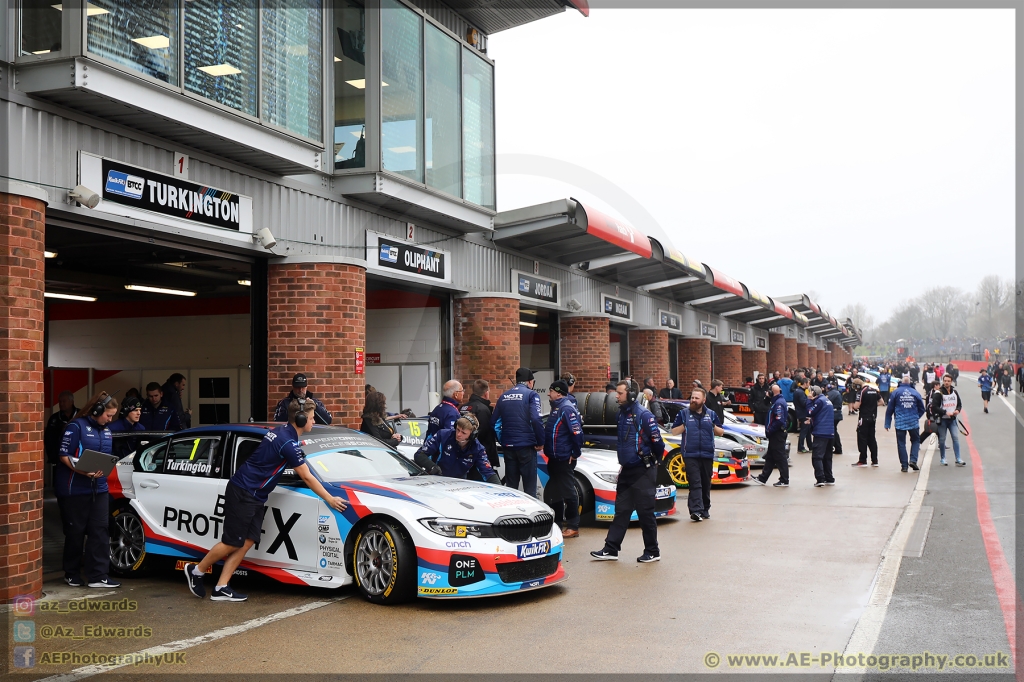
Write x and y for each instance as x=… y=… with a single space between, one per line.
x=610 y=476
x=455 y=528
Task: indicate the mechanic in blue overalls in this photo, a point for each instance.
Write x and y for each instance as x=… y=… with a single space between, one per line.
x=563 y=439
x=907 y=405
x=454 y=452
x=700 y=425
x=246 y=495
x=131 y=415
x=83 y=498
x=640 y=449
x=570 y=381
x=520 y=430
x=447 y=411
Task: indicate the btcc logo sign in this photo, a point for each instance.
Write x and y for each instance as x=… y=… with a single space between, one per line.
x=125 y=185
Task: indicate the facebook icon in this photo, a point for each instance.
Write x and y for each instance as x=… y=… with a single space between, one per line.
x=24 y=657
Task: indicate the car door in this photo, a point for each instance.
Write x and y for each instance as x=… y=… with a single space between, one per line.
x=180 y=491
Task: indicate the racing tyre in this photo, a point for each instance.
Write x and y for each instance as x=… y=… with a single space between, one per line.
x=676 y=468
x=128 y=558
x=384 y=563
x=586 y=497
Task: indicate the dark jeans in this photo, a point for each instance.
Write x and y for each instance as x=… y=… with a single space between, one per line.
x=761 y=417
x=901 y=445
x=804 y=440
x=521 y=463
x=821 y=457
x=562 y=492
x=866 y=441
x=698 y=475
x=81 y=516
x=634 y=491
x=885 y=397
x=776 y=458
x=837 y=445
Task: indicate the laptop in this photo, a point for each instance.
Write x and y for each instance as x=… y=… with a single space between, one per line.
x=91 y=461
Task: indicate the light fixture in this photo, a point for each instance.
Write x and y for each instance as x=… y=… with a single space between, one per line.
x=158 y=290
x=179 y=264
x=41 y=52
x=361 y=83
x=92 y=11
x=245 y=282
x=153 y=42
x=218 y=70
x=527 y=324
x=69 y=297
x=336 y=60
x=49 y=254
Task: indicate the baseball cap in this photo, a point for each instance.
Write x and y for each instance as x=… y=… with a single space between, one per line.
x=299 y=380
x=524 y=374
x=560 y=387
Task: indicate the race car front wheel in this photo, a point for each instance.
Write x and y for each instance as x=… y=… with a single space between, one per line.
x=128 y=557
x=384 y=563
x=677 y=468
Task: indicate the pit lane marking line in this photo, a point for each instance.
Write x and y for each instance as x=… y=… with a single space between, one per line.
x=182 y=644
x=865 y=634
x=1015 y=413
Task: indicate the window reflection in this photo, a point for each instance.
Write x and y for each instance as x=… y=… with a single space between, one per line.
x=401 y=90
x=40 y=27
x=443 y=163
x=292 y=62
x=141 y=35
x=478 y=129
x=220 y=52
x=349 y=101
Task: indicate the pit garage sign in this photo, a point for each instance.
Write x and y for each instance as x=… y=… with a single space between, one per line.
x=384 y=252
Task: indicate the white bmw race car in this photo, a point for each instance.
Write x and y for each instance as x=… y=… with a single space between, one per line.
x=404 y=533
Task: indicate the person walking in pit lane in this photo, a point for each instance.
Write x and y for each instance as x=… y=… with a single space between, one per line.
x=820 y=416
x=907 y=406
x=800 y=412
x=775 y=430
x=563 y=440
x=867 y=408
x=985 y=384
x=884 y=383
x=945 y=406
x=245 y=499
x=701 y=425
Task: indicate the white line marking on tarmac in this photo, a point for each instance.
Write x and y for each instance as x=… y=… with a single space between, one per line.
x=1015 y=413
x=182 y=644
x=865 y=635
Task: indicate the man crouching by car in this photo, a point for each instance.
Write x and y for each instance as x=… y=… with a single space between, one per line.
x=454 y=452
x=247 y=493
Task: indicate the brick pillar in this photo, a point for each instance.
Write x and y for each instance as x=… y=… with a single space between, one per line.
x=791 y=354
x=728 y=365
x=486 y=341
x=836 y=353
x=585 y=350
x=22 y=227
x=828 y=360
x=801 y=354
x=694 y=363
x=776 y=352
x=648 y=355
x=754 y=361
x=317 y=318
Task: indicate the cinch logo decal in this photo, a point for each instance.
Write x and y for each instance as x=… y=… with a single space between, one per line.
x=125 y=185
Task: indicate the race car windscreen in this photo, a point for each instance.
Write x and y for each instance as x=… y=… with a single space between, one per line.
x=360 y=462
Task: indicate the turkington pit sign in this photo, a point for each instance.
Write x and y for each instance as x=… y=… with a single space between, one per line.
x=173 y=197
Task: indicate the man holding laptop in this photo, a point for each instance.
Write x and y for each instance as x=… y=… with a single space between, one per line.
x=80 y=484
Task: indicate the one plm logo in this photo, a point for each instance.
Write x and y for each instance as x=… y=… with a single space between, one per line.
x=388 y=253
x=125 y=185
x=524 y=285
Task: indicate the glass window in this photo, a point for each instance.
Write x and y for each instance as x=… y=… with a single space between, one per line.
x=220 y=52
x=152 y=458
x=441 y=67
x=40 y=26
x=141 y=35
x=401 y=90
x=194 y=457
x=478 y=128
x=244 y=447
x=349 y=85
x=292 y=39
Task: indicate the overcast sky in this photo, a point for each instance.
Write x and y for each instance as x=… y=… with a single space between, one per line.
x=795 y=150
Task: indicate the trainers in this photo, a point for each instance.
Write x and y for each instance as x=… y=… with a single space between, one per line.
x=695 y=516
x=780 y=484
x=803 y=452
x=227 y=594
x=961 y=463
x=570 y=533
x=874 y=464
x=859 y=464
x=830 y=482
x=73 y=581
x=605 y=555
x=106 y=582
x=913 y=465
x=757 y=480
x=648 y=558
x=819 y=484
x=986 y=410
x=943 y=463
x=903 y=469
x=706 y=516
x=195 y=582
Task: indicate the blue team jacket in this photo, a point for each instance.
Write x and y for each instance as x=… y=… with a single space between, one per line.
x=163 y=417
x=80 y=435
x=699 y=437
x=778 y=417
x=908 y=407
x=443 y=416
x=516 y=418
x=822 y=416
x=443 y=449
x=563 y=432
x=638 y=435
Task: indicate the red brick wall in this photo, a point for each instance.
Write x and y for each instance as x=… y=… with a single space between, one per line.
x=317 y=318
x=754 y=361
x=837 y=353
x=22 y=279
x=776 y=352
x=486 y=334
x=828 y=361
x=728 y=364
x=585 y=351
x=648 y=355
x=791 y=355
x=819 y=359
x=694 y=363
x=801 y=354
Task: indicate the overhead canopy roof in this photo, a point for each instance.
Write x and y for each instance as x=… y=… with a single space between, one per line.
x=819 y=321
x=491 y=17
x=568 y=232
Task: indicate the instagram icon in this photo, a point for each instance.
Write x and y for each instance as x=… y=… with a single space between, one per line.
x=24 y=605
